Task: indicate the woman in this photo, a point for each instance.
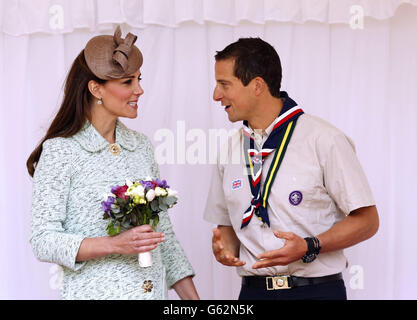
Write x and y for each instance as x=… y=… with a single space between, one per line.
x=85 y=152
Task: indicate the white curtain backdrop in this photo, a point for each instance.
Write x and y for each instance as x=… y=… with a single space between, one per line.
x=362 y=79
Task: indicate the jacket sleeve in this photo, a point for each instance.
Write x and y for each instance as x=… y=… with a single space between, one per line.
x=173 y=256
x=51 y=185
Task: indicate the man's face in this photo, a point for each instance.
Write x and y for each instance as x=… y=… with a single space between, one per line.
x=230 y=91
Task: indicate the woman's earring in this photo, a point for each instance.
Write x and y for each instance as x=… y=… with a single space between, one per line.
x=99 y=101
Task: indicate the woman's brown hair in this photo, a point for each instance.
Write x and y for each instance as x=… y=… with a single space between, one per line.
x=74 y=110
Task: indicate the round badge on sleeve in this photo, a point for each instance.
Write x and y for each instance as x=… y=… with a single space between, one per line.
x=295 y=198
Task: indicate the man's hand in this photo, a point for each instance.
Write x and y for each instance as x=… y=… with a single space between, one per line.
x=294 y=248
x=224 y=250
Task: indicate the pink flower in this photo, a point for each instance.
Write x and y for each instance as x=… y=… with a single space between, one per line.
x=120 y=191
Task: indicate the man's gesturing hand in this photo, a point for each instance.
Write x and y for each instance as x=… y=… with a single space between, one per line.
x=294 y=248
x=222 y=248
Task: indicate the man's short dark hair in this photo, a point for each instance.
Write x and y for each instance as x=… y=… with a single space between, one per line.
x=254 y=58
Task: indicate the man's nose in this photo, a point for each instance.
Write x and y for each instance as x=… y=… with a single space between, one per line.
x=217 y=94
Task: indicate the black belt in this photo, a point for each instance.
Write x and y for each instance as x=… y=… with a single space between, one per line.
x=285 y=282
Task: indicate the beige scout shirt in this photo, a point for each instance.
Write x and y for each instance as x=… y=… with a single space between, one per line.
x=321 y=164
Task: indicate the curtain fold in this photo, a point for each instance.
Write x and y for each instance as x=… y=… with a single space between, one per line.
x=19 y=17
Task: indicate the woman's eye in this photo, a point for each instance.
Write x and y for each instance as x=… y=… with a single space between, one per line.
x=127 y=81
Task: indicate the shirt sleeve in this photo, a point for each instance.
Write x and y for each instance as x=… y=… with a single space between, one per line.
x=173 y=256
x=216 y=208
x=344 y=177
x=51 y=184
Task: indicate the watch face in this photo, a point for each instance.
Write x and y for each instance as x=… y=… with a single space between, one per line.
x=309 y=258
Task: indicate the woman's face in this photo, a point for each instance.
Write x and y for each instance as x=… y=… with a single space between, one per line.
x=120 y=96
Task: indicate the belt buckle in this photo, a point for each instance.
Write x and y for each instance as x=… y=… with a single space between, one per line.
x=278 y=283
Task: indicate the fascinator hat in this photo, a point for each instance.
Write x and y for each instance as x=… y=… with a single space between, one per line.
x=111 y=57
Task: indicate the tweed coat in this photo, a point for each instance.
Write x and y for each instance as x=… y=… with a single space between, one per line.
x=71 y=177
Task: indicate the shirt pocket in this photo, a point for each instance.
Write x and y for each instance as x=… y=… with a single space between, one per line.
x=303 y=197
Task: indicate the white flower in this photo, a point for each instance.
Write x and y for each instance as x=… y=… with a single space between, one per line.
x=139 y=191
x=136 y=190
x=160 y=192
x=128 y=182
x=172 y=193
x=150 y=195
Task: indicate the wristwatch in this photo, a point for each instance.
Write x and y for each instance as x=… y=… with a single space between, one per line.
x=313 y=245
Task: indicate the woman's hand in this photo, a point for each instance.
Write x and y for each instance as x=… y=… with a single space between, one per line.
x=136 y=240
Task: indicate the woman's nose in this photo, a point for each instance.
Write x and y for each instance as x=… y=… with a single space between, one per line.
x=138 y=89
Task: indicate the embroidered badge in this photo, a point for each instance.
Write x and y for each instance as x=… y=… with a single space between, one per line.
x=257 y=160
x=236 y=184
x=147 y=286
x=295 y=198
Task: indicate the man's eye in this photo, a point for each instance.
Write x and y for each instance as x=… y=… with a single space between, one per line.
x=127 y=81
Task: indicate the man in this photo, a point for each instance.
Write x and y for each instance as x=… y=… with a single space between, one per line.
x=297 y=197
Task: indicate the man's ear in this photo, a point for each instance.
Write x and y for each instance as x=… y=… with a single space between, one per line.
x=259 y=85
x=94 y=88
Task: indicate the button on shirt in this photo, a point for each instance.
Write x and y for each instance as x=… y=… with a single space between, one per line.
x=320 y=182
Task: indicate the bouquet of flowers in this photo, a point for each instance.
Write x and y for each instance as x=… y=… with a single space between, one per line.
x=135 y=204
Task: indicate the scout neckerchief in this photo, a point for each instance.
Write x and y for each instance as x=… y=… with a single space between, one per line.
x=278 y=139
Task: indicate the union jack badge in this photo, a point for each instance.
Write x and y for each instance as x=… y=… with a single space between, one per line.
x=236 y=184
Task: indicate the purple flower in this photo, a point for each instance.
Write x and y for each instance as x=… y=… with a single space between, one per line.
x=162 y=184
x=148 y=184
x=106 y=205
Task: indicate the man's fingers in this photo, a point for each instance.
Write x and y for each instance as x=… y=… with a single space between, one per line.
x=216 y=241
x=283 y=235
x=217 y=246
x=228 y=259
x=270 y=254
x=217 y=234
x=268 y=263
x=223 y=255
x=235 y=262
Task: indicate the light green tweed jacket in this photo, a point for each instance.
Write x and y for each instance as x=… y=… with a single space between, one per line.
x=70 y=180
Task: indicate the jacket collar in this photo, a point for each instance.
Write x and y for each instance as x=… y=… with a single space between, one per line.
x=91 y=140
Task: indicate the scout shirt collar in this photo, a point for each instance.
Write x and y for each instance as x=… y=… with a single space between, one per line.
x=288 y=102
x=260 y=135
x=91 y=140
